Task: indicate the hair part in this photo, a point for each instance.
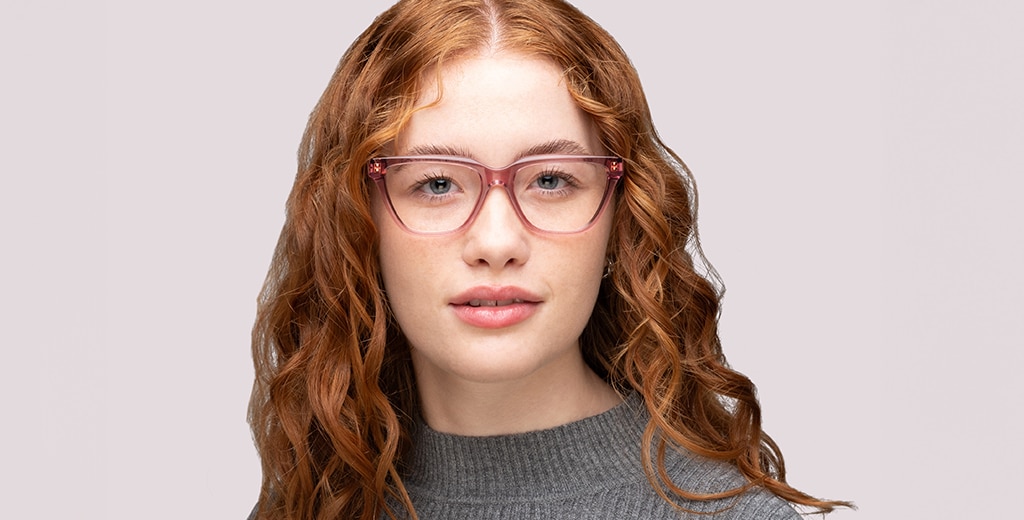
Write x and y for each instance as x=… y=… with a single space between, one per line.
x=334 y=393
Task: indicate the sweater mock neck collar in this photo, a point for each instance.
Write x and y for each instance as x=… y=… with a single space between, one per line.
x=592 y=453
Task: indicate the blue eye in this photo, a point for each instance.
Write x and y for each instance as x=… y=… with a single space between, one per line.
x=548 y=182
x=439 y=186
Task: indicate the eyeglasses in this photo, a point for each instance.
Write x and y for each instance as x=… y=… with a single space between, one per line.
x=431 y=194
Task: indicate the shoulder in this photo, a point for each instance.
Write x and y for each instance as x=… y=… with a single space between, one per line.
x=699 y=475
x=632 y=491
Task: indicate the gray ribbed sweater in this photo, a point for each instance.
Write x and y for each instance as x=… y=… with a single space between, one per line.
x=586 y=469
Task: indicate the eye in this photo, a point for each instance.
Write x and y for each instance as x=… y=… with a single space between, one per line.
x=438 y=185
x=550 y=181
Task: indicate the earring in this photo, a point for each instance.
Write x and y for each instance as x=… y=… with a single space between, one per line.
x=607 y=269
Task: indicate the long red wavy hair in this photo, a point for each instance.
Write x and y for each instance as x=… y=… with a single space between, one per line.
x=334 y=392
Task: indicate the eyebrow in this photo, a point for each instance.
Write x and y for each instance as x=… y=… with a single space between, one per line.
x=553 y=147
x=557 y=146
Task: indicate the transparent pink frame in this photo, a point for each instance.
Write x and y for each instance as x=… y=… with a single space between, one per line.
x=490 y=177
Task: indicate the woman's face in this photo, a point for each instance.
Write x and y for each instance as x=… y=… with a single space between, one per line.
x=495 y=109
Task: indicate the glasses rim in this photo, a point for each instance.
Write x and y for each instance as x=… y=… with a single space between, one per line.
x=376 y=169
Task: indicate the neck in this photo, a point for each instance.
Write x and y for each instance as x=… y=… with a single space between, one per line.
x=548 y=398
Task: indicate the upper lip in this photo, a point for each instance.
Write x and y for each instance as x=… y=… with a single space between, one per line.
x=493 y=296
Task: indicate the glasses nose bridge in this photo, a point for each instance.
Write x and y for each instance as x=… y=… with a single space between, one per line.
x=498 y=177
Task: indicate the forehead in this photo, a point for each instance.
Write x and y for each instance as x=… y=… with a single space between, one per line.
x=493 y=106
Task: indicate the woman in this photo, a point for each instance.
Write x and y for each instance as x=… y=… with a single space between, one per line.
x=485 y=302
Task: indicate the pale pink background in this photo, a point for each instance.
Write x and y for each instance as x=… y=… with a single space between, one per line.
x=859 y=167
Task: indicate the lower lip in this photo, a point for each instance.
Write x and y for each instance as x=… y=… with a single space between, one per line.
x=495 y=317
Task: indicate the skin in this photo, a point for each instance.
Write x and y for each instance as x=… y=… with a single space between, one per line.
x=531 y=375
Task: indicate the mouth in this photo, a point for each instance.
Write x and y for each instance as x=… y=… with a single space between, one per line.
x=495 y=307
x=493 y=303
x=494 y=296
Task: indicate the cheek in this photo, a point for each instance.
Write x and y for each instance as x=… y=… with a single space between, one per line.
x=391 y=244
x=391 y=248
x=395 y=268
x=399 y=277
x=598 y=237
x=411 y=269
x=583 y=264
x=598 y=251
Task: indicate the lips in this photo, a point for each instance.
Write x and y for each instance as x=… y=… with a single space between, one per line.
x=492 y=307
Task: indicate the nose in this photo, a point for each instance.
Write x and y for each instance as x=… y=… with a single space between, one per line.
x=496 y=239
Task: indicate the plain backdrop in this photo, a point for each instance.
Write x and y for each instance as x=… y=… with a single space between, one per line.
x=859 y=166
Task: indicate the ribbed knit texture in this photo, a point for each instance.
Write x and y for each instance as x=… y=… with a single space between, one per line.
x=586 y=469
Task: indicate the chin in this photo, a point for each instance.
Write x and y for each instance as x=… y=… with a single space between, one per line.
x=489 y=365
